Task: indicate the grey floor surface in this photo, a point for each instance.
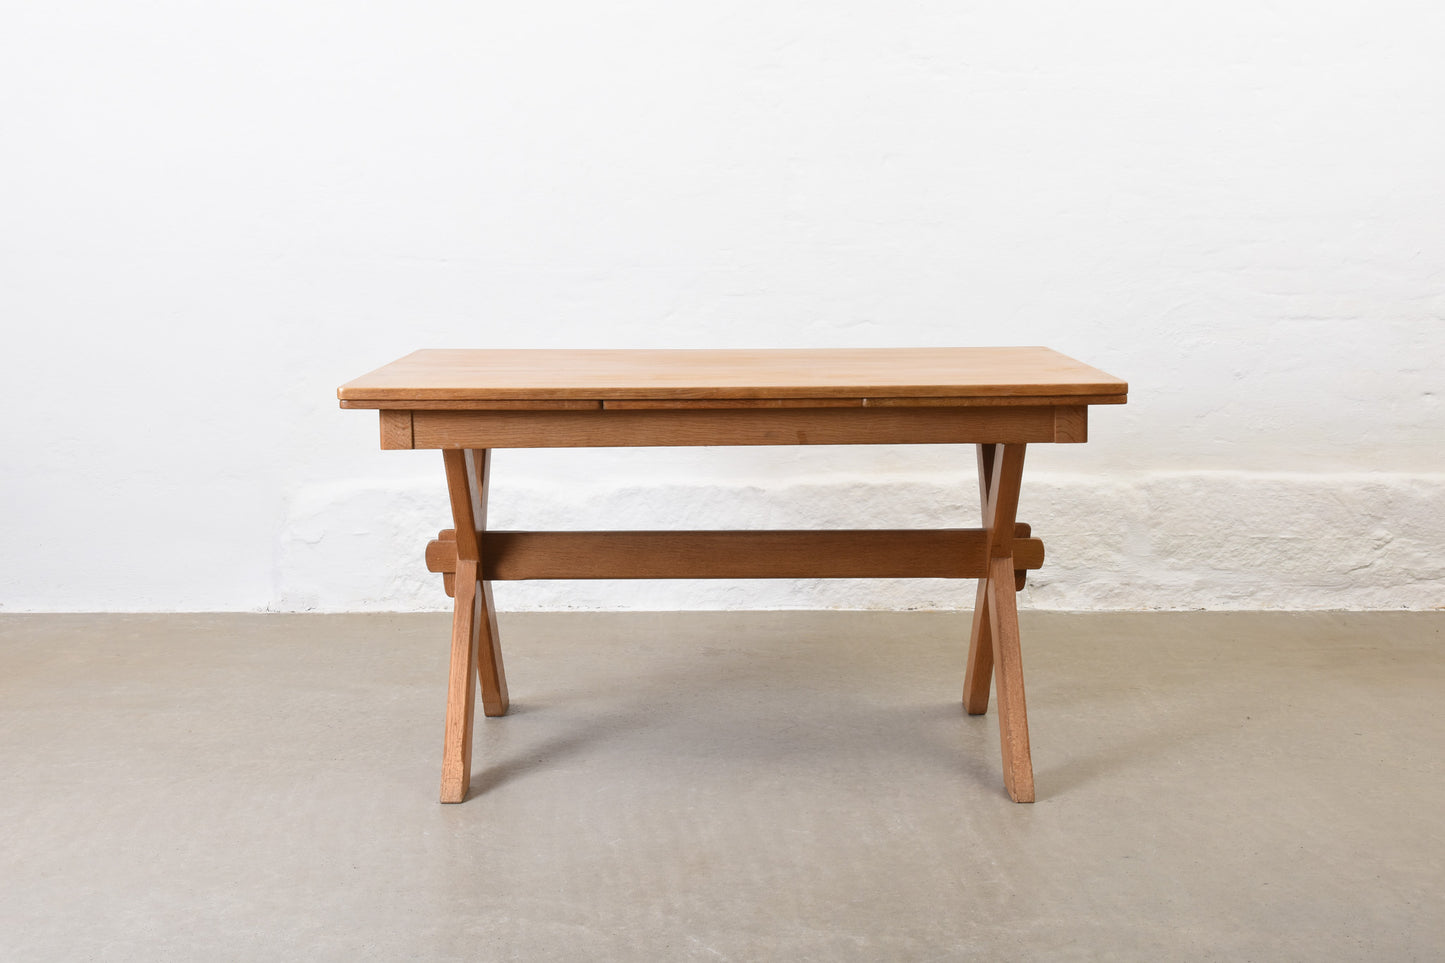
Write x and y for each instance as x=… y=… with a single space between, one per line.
x=764 y=786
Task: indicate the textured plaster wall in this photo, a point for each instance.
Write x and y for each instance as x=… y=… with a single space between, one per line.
x=211 y=215
x=1220 y=540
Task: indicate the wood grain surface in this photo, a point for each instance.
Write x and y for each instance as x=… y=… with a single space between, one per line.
x=856 y=373
x=606 y=428
x=828 y=553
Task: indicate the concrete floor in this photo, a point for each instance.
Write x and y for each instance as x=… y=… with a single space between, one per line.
x=767 y=786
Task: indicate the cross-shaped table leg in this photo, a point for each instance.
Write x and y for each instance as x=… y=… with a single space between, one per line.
x=994 y=642
x=476 y=655
x=476 y=652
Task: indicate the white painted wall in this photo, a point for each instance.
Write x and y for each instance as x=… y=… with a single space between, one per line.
x=213 y=214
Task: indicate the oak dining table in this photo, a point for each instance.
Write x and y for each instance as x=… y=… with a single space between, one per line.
x=470 y=402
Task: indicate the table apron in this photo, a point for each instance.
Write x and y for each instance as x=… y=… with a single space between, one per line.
x=608 y=428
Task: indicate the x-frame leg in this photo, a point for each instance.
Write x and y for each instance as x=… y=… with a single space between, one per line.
x=994 y=642
x=994 y=648
x=476 y=657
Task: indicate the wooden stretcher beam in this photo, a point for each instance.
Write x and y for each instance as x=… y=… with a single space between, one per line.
x=856 y=553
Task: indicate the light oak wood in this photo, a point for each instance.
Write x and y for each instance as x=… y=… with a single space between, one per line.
x=476 y=659
x=495 y=701
x=1022 y=531
x=461 y=685
x=490 y=673
x=652 y=404
x=989 y=402
x=978 y=671
x=999 y=479
x=693 y=404
x=860 y=553
x=467 y=402
x=1071 y=424
x=762 y=426
x=472 y=374
x=488 y=404
x=1006 y=473
x=466 y=499
x=1008 y=674
x=396 y=430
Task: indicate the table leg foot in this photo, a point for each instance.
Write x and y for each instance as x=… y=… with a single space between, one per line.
x=476 y=646
x=490 y=674
x=1008 y=668
x=979 y=672
x=994 y=642
x=467 y=619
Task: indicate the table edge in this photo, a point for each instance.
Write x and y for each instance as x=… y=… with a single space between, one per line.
x=625 y=402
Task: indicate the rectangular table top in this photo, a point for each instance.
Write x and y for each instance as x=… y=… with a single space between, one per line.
x=1029 y=375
